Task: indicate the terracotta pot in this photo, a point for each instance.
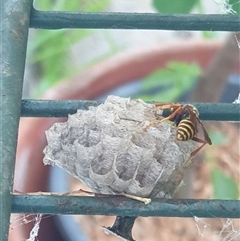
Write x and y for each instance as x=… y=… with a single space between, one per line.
x=30 y=173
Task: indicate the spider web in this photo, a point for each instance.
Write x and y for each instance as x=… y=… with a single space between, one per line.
x=18 y=220
x=230 y=229
x=176 y=229
x=226 y=8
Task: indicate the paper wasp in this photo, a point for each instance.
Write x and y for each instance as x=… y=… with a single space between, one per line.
x=186 y=119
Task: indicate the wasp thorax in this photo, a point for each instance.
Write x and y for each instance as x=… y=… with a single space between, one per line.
x=107 y=148
x=194 y=110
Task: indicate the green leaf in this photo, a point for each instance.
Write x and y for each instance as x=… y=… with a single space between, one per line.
x=217 y=138
x=96 y=6
x=176 y=79
x=73 y=5
x=50 y=49
x=224 y=187
x=235 y=6
x=174 y=6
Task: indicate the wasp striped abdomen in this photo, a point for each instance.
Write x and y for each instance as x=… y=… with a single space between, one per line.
x=185 y=130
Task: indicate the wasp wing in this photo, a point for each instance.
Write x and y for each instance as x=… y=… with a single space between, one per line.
x=196 y=122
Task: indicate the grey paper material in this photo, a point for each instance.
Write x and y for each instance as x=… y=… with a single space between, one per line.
x=107 y=148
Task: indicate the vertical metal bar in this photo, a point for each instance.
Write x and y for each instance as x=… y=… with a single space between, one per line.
x=14 y=32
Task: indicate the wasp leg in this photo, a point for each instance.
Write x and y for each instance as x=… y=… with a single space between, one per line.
x=199 y=148
x=155 y=123
x=163 y=106
x=179 y=176
x=170 y=117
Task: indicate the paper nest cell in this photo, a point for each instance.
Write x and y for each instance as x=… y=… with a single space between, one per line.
x=107 y=149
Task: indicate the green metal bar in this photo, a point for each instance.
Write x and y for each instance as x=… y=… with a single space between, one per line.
x=122 y=206
x=61 y=108
x=187 y=22
x=54 y=108
x=14 y=33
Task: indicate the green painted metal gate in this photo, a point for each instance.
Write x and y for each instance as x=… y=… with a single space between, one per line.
x=16 y=18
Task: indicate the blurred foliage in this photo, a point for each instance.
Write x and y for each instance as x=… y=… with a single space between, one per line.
x=173 y=6
x=235 y=6
x=49 y=50
x=185 y=6
x=73 y=5
x=218 y=138
x=224 y=187
x=168 y=84
x=178 y=77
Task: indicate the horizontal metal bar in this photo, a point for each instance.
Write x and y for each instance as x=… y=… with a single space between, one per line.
x=122 y=206
x=54 y=108
x=194 y=22
x=61 y=108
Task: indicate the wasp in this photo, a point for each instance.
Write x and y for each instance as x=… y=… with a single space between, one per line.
x=186 y=119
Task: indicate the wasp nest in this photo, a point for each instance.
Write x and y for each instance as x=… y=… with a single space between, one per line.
x=107 y=148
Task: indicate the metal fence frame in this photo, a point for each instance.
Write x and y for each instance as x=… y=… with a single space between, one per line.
x=16 y=18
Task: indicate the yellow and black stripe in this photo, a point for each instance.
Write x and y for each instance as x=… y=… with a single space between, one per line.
x=186 y=130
